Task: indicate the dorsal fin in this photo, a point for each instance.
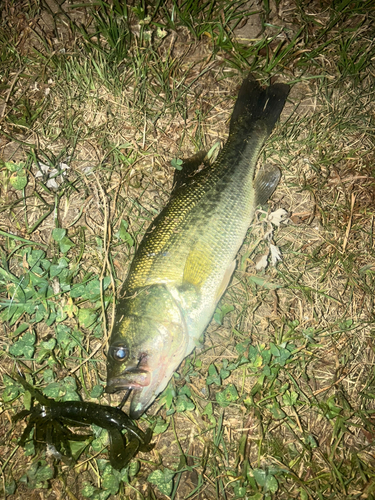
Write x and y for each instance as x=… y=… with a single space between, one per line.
x=190 y=166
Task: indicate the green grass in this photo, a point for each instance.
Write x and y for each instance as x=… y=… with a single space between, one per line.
x=278 y=400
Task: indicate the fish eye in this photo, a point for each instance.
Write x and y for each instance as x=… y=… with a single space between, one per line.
x=119 y=353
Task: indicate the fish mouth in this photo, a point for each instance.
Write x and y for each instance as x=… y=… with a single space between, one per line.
x=135 y=389
x=133 y=378
x=141 y=386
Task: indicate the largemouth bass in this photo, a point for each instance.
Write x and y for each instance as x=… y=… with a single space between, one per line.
x=188 y=255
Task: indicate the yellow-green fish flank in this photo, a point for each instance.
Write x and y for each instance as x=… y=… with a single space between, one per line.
x=187 y=257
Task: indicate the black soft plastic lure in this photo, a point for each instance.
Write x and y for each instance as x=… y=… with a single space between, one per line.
x=51 y=418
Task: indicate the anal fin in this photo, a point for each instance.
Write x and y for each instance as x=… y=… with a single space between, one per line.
x=265 y=183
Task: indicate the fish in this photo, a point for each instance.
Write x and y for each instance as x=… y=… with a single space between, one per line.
x=187 y=256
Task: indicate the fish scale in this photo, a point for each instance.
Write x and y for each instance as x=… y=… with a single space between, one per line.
x=208 y=203
x=187 y=256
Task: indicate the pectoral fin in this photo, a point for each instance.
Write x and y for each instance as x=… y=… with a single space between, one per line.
x=198 y=267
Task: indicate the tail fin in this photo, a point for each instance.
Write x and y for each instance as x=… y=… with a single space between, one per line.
x=256 y=103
